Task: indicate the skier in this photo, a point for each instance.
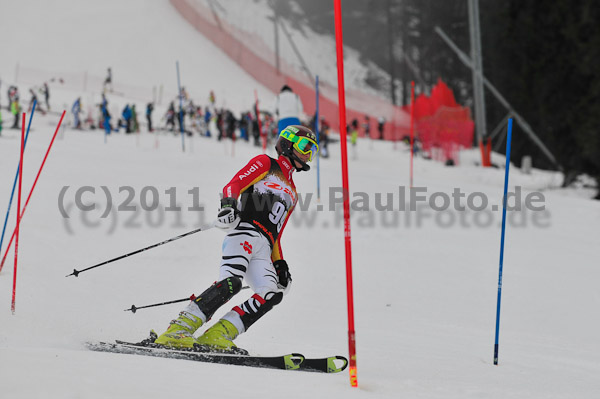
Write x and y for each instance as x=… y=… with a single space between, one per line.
x=251 y=249
x=288 y=108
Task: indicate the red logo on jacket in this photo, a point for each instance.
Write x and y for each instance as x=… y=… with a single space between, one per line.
x=247 y=247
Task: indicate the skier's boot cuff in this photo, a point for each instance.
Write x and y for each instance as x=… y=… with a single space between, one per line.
x=180 y=333
x=219 y=338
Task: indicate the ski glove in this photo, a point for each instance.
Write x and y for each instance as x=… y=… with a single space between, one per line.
x=284 y=278
x=229 y=216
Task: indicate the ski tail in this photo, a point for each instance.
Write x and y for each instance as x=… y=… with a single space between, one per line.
x=332 y=364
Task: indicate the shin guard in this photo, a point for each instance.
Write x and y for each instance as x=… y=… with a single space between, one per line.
x=217 y=295
x=256 y=307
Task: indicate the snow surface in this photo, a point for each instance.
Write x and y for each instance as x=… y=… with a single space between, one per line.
x=424 y=294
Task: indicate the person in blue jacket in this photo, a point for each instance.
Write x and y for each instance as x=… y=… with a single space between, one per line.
x=127 y=114
x=76 y=110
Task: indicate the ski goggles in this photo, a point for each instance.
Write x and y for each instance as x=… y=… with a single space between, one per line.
x=302 y=144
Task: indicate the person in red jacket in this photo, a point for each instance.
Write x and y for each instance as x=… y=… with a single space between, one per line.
x=255 y=208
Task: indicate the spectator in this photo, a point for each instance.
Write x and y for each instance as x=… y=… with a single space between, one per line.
x=105 y=115
x=149 y=109
x=170 y=116
x=126 y=114
x=46 y=93
x=288 y=108
x=381 y=127
x=108 y=80
x=15 y=109
x=76 y=110
x=207 y=118
x=135 y=127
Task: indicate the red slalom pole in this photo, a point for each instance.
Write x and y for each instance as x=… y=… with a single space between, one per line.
x=14 y=290
x=412 y=135
x=31 y=192
x=348 y=241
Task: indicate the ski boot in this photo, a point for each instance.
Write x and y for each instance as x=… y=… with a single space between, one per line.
x=219 y=338
x=180 y=333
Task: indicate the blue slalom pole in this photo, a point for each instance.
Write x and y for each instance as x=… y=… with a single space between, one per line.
x=180 y=108
x=12 y=193
x=318 y=141
x=504 y=200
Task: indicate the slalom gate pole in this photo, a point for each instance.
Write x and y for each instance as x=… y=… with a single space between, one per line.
x=134 y=308
x=12 y=193
x=412 y=134
x=14 y=290
x=344 y=147
x=22 y=212
x=180 y=108
x=504 y=204
x=203 y=228
x=318 y=140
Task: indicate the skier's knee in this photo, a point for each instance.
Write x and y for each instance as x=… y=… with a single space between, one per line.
x=217 y=295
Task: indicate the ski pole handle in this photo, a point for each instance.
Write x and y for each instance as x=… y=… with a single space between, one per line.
x=202 y=228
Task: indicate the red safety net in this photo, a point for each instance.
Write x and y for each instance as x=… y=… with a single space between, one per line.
x=442 y=126
x=254 y=56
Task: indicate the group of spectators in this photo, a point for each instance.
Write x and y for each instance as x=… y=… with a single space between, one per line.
x=184 y=115
x=14 y=102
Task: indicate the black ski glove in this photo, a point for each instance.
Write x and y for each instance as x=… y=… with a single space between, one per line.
x=283 y=273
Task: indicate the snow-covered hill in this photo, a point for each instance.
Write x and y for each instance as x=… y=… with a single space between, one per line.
x=425 y=282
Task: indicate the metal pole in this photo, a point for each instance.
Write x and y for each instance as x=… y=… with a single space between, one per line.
x=519 y=119
x=477 y=68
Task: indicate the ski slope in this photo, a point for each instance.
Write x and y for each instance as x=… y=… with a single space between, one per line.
x=424 y=288
x=141 y=41
x=425 y=297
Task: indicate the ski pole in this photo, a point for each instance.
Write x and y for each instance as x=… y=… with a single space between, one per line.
x=134 y=308
x=202 y=228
